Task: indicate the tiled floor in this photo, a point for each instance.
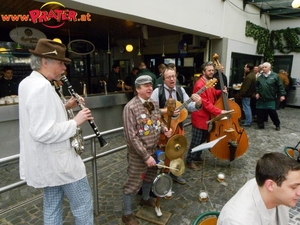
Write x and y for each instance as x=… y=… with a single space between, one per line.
x=24 y=205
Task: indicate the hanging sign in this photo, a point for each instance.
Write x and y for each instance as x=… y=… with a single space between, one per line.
x=81 y=47
x=26 y=36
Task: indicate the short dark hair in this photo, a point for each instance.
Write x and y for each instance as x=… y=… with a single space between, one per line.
x=5 y=68
x=115 y=66
x=274 y=166
x=250 y=66
x=135 y=68
x=171 y=65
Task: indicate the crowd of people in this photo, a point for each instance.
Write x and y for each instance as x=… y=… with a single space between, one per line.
x=263 y=92
x=48 y=160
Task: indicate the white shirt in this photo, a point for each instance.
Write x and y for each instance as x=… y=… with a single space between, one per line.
x=46 y=155
x=190 y=107
x=247 y=207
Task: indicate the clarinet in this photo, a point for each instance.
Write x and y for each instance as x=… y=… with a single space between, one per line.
x=103 y=143
x=77 y=141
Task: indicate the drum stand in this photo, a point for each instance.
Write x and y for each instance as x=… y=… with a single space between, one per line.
x=203 y=147
x=156 y=216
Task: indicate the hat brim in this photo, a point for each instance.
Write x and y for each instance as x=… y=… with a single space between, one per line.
x=65 y=60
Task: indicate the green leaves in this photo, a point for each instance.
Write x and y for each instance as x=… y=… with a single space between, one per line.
x=284 y=40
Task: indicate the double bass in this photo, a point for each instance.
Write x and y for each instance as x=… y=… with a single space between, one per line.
x=235 y=143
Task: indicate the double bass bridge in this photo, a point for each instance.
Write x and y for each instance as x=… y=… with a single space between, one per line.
x=228 y=130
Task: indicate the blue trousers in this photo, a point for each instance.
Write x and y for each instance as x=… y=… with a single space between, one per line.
x=247 y=110
x=80 y=198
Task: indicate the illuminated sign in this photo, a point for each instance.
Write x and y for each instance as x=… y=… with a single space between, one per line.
x=51 y=15
x=26 y=36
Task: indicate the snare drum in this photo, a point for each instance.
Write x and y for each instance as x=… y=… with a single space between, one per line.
x=162 y=185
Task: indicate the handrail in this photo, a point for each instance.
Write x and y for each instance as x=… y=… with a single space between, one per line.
x=9 y=158
x=92 y=158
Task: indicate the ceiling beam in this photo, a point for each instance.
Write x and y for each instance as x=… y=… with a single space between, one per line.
x=279 y=11
x=259 y=1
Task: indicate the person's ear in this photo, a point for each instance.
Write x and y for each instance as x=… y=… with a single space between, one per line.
x=270 y=184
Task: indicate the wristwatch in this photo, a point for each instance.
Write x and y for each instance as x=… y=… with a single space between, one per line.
x=198 y=106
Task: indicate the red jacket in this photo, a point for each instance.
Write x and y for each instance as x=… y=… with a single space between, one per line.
x=209 y=98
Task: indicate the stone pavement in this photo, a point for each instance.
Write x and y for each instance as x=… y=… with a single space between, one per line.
x=24 y=204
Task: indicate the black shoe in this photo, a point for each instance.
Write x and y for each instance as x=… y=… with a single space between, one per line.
x=178 y=180
x=277 y=128
x=129 y=220
x=192 y=166
x=198 y=160
x=245 y=125
x=260 y=127
x=150 y=202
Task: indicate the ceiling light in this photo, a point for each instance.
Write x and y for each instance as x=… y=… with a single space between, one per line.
x=18 y=47
x=3 y=50
x=129 y=48
x=139 y=52
x=296 y=4
x=57 y=40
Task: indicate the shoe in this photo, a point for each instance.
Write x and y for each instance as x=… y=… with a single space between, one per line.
x=260 y=128
x=178 y=180
x=192 y=166
x=246 y=125
x=150 y=202
x=198 y=160
x=129 y=220
x=277 y=128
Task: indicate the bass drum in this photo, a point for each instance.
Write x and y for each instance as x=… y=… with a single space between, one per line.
x=162 y=185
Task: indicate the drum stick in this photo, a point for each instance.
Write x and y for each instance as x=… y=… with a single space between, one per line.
x=159 y=165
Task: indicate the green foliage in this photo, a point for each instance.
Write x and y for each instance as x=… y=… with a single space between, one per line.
x=284 y=40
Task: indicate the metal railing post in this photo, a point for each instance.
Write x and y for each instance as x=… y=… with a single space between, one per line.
x=94 y=176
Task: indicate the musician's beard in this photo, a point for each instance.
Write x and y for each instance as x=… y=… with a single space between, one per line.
x=207 y=77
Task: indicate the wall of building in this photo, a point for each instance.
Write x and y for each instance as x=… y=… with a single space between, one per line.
x=283 y=24
x=214 y=19
x=209 y=18
x=223 y=22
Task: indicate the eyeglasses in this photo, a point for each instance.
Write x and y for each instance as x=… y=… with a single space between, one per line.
x=170 y=77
